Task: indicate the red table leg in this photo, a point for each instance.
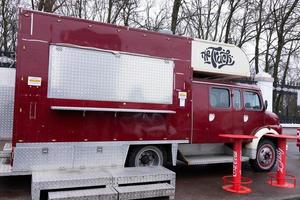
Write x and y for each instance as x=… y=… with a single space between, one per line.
x=235 y=185
x=281 y=180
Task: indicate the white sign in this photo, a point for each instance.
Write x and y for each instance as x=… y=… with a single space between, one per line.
x=34 y=81
x=182 y=97
x=219 y=58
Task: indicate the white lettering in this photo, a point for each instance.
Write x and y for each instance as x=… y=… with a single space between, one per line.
x=234 y=164
x=280 y=153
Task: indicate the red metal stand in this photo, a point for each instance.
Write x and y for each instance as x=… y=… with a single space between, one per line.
x=280 y=178
x=236 y=183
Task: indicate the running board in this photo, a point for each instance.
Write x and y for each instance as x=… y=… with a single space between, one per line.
x=210 y=159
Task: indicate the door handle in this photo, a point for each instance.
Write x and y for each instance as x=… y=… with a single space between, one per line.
x=246 y=117
x=211 y=117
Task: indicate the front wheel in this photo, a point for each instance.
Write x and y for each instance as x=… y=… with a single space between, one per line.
x=265 y=156
x=143 y=156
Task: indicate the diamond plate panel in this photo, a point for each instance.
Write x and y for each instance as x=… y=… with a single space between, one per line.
x=89 y=74
x=44 y=156
x=90 y=194
x=145 y=191
x=7 y=94
x=39 y=158
x=60 y=179
x=90 y=155
x=131 y=175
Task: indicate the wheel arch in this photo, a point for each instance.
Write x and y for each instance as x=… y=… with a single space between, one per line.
x=251 y=148
x=169 y=148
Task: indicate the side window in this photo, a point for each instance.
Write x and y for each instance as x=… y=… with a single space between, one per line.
x=237 y=100
x=219 y=98
x=252 y=101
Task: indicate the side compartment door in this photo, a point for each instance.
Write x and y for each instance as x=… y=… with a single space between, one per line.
x=220 y=113
x=253 y=113
x=200 y=113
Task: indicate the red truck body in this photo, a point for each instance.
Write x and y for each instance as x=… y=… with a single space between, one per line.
x=36 y=122
x=48 y=125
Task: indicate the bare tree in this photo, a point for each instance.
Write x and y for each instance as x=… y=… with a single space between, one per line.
x=283 y=24
x=48 y=5
x=8 y=24
x=233 y=5
x=258 y=28
x=154 y=19
x=4 y=24
x=176 y=7
x=218 y=14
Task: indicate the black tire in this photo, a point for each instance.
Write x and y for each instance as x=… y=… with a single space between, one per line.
x=265 y=156
x=142 y=156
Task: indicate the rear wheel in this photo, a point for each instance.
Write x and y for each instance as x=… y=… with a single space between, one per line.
x=143 y=156
x=265 y=156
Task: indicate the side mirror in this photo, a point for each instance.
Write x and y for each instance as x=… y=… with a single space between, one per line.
x=265 y=105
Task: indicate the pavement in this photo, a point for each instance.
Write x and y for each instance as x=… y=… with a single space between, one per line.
x=289 y=131
x=205 y=182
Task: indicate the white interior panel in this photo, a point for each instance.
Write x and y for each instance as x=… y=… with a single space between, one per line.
x=89 y=74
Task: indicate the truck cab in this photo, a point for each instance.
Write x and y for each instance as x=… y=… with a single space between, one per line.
x=228 y=108
x=233 y=108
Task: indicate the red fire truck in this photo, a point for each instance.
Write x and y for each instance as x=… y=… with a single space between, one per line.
x=93 y=94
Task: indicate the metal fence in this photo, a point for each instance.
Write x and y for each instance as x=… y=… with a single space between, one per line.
x=289 y=120
x=285 y=102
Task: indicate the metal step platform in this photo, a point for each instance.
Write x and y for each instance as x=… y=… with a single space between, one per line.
x=90 y=194
x=146 y=191
x=210 y=159
x=114 y=177
x=139 y=175
x=64 y=179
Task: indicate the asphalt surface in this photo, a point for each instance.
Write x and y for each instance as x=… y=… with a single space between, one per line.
x=205 y=182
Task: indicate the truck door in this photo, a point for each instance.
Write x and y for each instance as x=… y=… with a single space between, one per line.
x=237 y=112
x=200 y=113
x=253 y=111
x=220 y=113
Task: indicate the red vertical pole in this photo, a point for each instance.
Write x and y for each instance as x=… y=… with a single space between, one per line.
x=237 y=172
x=281 y=161
x=236 y=183
x=282 y=179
